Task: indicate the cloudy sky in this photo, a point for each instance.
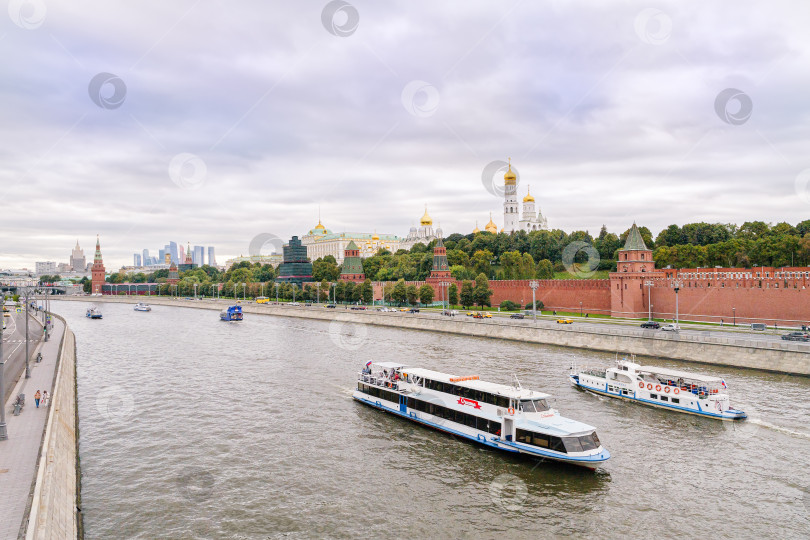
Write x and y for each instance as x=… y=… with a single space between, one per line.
x=212 y=122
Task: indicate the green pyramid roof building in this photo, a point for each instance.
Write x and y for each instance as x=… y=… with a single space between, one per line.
x=634 y=240
x=352 y=268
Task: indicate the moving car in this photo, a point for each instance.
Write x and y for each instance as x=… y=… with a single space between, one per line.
x=796 y=336
x=516 y=316
x=331 y=306
x=650 y=324
x=413 y=310
x=565 y=321
x=482 y=315
x=262 y=300
x=670 y=327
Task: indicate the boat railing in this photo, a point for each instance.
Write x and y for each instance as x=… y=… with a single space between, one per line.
x=378 y=379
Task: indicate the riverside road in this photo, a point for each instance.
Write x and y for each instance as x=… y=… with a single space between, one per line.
x=14 y=347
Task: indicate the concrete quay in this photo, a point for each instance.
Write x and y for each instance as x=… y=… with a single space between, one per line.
x=718 y=348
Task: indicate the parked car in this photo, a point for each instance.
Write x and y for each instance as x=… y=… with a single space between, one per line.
x=331 y=306
x=413 y=310
x=565 y=321
x=650 y=324
x=470 y=314
x=796 y=336
x=308 y=304
x=449 y=312
x=670 y=328
x=517 y=316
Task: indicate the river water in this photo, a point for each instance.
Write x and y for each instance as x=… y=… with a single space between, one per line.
x=195 y=428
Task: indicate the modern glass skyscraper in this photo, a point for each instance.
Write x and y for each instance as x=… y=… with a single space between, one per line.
x=211 y=259
x=136 y=259
x=198 y=256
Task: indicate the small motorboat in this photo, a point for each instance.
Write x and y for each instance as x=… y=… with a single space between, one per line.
x=140 y=306
x=93 y=313
x=233 y=313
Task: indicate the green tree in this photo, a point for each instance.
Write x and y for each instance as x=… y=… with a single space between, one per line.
x=452 y=295
x=426 y=294
x=482 y=262
x=545 y=270
x=340 y=291
x=482 y=292
x=412 y=294
x=467 y=294
x=400 y=292
x=367 y=292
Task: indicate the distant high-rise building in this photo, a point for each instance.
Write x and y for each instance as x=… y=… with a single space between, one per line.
x=147 y=260
x=199 y=255
x=182 y=254
x=161 y=255
x=211 y=259
x=136 y=259
x=77 y=261
x=46 y=268
x=175 y=253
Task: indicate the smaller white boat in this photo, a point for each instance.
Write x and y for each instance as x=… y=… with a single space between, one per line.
x=680 y=391
x=93 y=313
x=140 y=306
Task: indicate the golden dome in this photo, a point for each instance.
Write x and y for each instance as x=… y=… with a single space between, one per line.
x=426 y=219
x=375 y=236
x=510 y=179
x=319 y=226
x=491 y=227
x=476 y=230
x=528 y=197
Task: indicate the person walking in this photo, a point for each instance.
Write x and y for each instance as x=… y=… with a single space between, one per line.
x=45 y=398
x=37 y=397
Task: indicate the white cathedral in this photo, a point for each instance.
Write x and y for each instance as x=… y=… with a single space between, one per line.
x=531 y=220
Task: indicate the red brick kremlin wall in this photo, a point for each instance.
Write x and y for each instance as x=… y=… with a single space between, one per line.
x=704 y=296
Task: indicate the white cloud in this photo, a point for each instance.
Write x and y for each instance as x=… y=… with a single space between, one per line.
x=287 y=117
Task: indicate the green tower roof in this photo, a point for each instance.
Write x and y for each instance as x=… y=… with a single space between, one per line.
x=634 y=240
x=352 y=245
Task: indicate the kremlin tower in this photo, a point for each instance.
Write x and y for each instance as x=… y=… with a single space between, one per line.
x=98 y=271
x=441 y=270
x=352 y=268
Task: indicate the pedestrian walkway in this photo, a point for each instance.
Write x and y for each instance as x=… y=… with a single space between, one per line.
x=18 y=454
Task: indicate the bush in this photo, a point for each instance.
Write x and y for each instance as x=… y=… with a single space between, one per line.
x=538 y=305
x=508 y=305
x=559 y=267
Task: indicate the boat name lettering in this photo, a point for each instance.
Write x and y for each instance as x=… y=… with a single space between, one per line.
x=470 y=402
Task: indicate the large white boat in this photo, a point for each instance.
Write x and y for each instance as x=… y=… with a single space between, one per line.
x=508 y=418
x=140 y=306
x=671 y=389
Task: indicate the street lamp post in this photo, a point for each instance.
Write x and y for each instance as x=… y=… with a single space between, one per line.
x=195 y=291
x=243 y=291
x=534 y=284
x=580 y=309
x=677 y=287
x=262 y=294
x=734 y=310
x=649 y=285
x=3 y=431
x=27 y=370
x=276 y=284
x=293 y=289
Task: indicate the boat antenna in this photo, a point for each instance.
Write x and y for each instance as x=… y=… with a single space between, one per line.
x=516 y=383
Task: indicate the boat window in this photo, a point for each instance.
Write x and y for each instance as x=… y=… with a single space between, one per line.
x=664 y=398
x=572 y=444
x=503 y=401
x=654 y=396
x=527 y=406
x=541 y=405
x=676 y=400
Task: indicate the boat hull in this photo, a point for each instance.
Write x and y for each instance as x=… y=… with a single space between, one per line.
x=483 y=438
x=727 y=416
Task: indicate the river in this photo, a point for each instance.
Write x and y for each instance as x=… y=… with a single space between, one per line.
x=195 y=428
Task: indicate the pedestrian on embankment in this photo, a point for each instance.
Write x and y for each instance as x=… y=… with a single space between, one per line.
x=37 y=397
x=45 y=398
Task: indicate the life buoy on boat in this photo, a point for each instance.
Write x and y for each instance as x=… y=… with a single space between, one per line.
x=640 y=384
x=666 y=389
x=511 y=410
x=657 y=387
x=649 y=386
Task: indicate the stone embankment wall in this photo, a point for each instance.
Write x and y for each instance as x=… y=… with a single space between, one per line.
x=54 y=508
x=716 y=347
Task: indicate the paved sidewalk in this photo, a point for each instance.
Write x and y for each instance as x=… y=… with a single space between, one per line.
x=18 y=454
